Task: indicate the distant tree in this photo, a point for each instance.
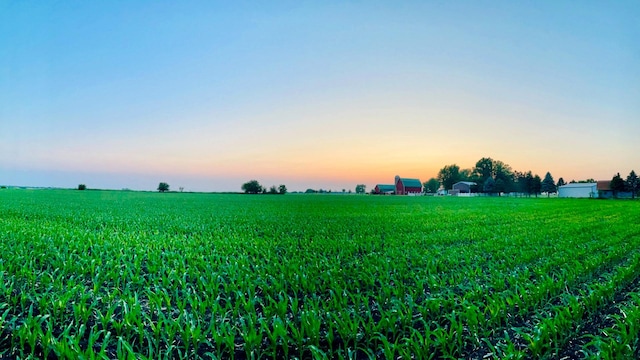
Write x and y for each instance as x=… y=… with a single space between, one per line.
x=163 y=186
x=632 y=184
x=548 y=184
x=504 y=172
x=252 y=187
x=82 y=187
x=465 y=174
x=560 y=182
x=181 y=188
x=282 y=189
x=500 y=186
x=617 y=184
x=310 y=191
x=361 y=189
x=449 y=175
x=483 y=168
x=489 y=186
x=431 y=186
x=535 y=185
x=273 y=189
x=498 y=170
x=521 y=185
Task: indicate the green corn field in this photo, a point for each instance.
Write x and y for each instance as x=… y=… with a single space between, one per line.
x=133 y=275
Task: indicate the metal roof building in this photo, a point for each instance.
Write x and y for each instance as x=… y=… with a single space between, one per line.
x=578 y=190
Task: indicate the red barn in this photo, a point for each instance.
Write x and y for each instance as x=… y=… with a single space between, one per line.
x=408 y=186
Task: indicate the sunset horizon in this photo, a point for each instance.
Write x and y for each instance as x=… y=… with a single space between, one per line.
x=207 y=95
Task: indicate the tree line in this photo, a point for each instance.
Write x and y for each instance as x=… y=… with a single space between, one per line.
x=495 y=177
x=254 y=187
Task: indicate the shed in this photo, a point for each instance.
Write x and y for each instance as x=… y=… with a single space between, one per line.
x=405 y=186
x=384 y=189
x=463 y=187
x=604 y=189
x=578 y=190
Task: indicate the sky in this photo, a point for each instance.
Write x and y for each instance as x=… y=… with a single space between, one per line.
x=207 y=95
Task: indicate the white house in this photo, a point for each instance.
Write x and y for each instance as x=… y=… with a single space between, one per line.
x=578 y=190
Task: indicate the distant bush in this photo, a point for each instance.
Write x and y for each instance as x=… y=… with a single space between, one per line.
x=82 y=187
x=163 y=186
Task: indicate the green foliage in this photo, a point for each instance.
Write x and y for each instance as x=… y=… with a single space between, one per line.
x=361 y=189
x=449 y=175
x=431 y=186
x=252 y=187
x=500 y=172
x=163 y=187
x=632 y=184
x=489 y=186
x=484 y=168
x=198 y=276
x=548 y=185
x=282 y=189
x=617 y=184
x=82 y=187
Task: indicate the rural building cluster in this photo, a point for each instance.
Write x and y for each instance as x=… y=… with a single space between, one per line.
x=401 y=186
x=495 y=178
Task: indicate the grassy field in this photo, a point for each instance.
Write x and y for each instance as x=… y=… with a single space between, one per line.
x=99 y=274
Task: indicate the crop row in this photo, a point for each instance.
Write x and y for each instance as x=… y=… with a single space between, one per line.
x=186 y=275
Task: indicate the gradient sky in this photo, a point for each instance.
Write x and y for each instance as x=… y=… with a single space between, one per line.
x=208 y=95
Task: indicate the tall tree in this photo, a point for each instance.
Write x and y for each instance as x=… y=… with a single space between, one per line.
x=489 y=186
x=163 y=186
x=522 y=182
x=501 y=186
x=617 y=184
x=632 y=183
x=504 y=172
x=560 y=182
x=483 y=168
x=449 y=175
x=361 y=188
x=252 y=187
x=528 y=183
x=431 y=186
x=487 y=167
x=548 y=185
x=282 y=189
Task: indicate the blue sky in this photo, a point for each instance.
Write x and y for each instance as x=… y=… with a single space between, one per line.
x=207 y=95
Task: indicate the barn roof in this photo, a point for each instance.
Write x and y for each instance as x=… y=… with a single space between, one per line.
x=578 y=185
x=386 y=187
x=604 y=185
x=470 y=183
x=411 y=182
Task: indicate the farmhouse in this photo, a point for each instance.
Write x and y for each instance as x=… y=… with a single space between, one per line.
x=406 y=186
x=578 y=190
x=384 y=189
x=462 y=187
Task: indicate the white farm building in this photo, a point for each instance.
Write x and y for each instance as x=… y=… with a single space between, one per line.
x=578 y=190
